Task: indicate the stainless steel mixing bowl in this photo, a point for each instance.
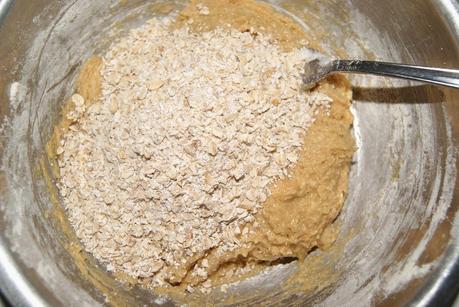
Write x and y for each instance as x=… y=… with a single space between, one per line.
x=400 y=227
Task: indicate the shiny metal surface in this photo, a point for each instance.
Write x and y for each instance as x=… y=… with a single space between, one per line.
x=400 y=224
x=4 y=6
x=317 y=70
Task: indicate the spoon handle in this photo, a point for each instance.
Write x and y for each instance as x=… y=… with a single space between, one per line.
x=441 y=76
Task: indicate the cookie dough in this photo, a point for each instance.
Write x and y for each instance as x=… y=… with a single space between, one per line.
x=300 y=213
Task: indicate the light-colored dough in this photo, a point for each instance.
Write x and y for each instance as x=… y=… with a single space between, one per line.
x=299 y=214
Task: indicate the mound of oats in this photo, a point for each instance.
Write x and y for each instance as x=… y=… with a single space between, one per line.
x=179 y=153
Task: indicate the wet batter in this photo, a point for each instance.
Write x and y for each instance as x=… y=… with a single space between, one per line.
x=300 y=213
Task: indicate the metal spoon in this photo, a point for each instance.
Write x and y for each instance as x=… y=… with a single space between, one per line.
x=318 y=69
